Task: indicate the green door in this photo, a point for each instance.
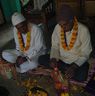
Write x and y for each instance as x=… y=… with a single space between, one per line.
x=9 y=7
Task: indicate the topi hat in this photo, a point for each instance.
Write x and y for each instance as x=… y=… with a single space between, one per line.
x=17 y=18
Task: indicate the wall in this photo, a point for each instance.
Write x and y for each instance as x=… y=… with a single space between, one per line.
x=90 y=8
x=81 y=7
x=39 y=3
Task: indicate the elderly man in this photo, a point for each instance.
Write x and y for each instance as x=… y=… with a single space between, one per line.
x=29 y=44
x=71 y=46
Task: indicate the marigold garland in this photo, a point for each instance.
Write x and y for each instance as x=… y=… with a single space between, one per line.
x=73 y=37
x=21 y=43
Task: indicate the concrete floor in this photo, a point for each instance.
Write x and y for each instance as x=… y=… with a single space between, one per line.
x=6 y=34
x=12 y=87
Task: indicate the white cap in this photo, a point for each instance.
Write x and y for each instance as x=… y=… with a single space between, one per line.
x=17 y=18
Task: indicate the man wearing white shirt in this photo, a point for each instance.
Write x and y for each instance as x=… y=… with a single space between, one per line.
x=29 y=44
x=71 y=45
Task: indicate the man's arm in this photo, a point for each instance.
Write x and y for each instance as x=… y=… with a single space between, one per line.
x=16 y=39
x=86 y=47
x=37 y=44
x=54 y=54
x=55 y=44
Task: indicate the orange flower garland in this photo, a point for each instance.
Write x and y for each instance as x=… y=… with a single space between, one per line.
x=22 y=45
x=73 y=38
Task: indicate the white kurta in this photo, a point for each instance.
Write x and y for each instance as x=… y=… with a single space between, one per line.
x=81 y=50
x=36 y=49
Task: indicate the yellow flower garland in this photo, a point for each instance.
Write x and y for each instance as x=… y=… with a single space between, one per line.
x=21 y=43
x=73 y=38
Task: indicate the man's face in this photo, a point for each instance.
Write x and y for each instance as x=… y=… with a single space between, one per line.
x=66 y=24
x=22 y=27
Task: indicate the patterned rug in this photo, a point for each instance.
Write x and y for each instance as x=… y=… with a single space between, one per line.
x=47 y=83
x=44 y=80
